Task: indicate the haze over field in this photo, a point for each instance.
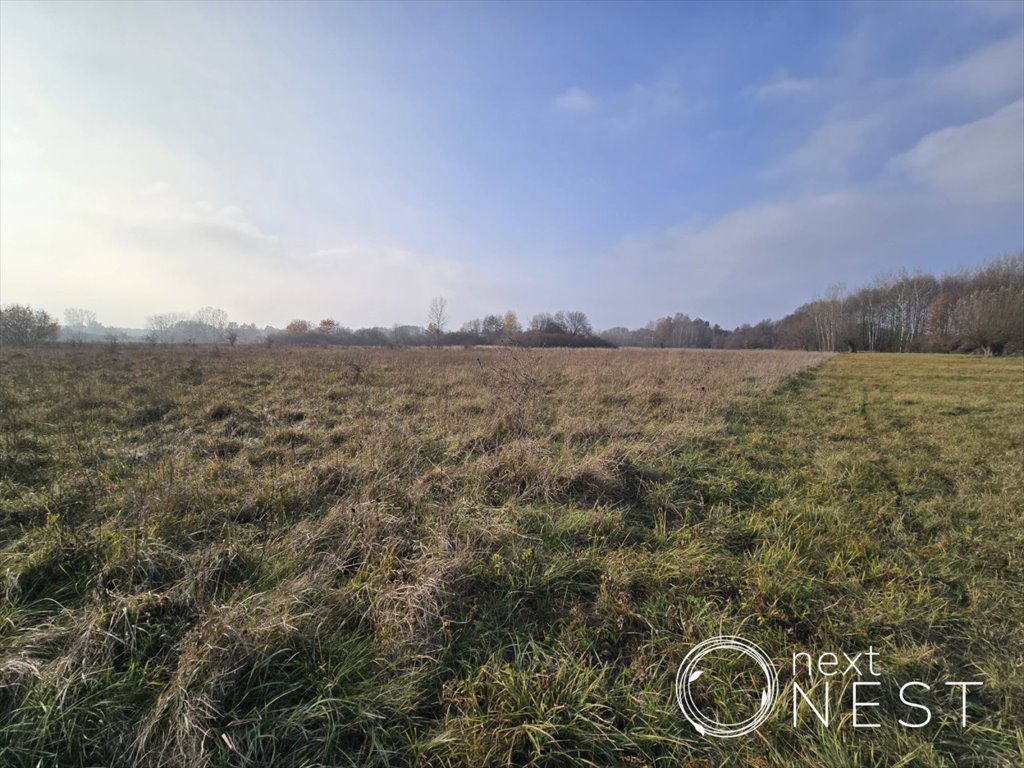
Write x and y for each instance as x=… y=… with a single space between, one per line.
x=353 y=161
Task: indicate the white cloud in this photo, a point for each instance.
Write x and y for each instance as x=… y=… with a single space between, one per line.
x=168 y=214
x=867 y=111
x=994 y=9
x=645 y=101
x=964 y=181
x=755 y=262
x=627 y=109
x=131 y=211
x=783 y=85
x=994 y=71
x=575 y=100
x=827 y=153
x=982 y=161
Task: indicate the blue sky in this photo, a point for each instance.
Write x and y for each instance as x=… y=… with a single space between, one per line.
x=353 y=161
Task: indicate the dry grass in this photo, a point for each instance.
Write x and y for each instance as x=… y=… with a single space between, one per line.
x=448 y=557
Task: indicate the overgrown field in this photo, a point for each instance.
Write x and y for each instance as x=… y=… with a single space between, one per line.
x=300 y=557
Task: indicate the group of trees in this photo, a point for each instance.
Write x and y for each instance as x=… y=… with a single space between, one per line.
x=980 y=310
x=561 y=329
x=544 y=329
x=329 y=331
x=678 y=331
x=81 y=320
x=574 y=323
x=564 y=329
x=206 y=325
x=493 y=329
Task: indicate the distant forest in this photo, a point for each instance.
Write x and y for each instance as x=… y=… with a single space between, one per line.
x=971 y=311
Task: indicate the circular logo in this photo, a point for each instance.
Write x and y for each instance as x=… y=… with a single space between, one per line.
x=689 y=672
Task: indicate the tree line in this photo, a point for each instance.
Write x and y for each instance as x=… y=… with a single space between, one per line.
x=972 y=311
x=979 y=310
x=559 y=329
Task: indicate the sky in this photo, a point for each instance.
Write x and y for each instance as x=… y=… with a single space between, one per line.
x=279 y=161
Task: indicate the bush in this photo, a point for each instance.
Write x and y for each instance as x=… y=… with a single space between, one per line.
x=22 y=326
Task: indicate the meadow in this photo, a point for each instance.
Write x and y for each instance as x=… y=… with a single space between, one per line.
x=473 y=557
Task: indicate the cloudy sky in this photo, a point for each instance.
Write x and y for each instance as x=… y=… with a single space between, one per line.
x=279 y=161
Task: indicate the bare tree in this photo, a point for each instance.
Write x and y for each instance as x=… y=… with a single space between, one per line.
x=210 y=323
x=577 y=324
x=159 y=326
x=663 y=332
x=541 y=321
x=76 y=321
x=492 y=327
x=298 y=327
x=475 y=327
x=828 y=317
x=991 y=318
x=437 y=318
x=402 y=335
x=940 y=316
x=78 y=318
x=170 y=326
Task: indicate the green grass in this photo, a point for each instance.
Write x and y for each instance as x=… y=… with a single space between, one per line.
x=471 y=558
